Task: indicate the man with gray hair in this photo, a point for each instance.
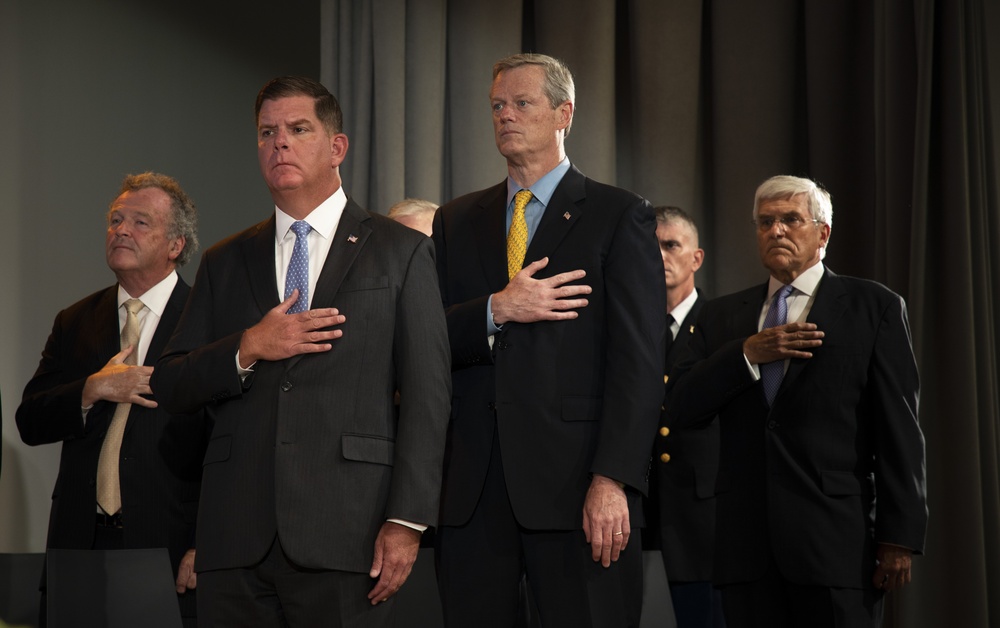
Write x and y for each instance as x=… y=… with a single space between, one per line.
x=415 y=213
x=814 y=381
x=554 y=297
x=125 y=461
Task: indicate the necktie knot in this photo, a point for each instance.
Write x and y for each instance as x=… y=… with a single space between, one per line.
x=301 y=228
x=517 y=238
x=133 y=306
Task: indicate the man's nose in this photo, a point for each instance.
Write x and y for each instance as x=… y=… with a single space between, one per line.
x=280 y=139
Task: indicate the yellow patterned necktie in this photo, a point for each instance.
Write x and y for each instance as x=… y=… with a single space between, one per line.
x=108 y=483
x=517 y=239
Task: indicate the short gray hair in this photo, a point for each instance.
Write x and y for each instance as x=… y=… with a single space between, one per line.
x=184 y=219
x=784 y=187
x=558 y=85
x=411 y=207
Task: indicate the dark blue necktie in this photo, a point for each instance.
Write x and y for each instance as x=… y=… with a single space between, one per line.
x=772 y=373
x=298 y=267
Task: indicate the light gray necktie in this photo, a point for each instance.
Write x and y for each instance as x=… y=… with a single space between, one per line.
x=109 y=496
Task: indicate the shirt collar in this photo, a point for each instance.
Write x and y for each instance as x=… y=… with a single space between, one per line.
x=323 y=219
x=806 y=282
x=543 y=189
x=681 y=311
x=155 y=299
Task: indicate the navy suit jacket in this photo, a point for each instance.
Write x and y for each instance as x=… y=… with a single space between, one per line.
x=161 y=454
x=569 y=398
x=798 y=482
x=310 y=448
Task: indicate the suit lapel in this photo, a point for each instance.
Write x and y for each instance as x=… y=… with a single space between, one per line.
x=258 y=253
x=684 y=333
x=564 y=209
x=109 y=333
x=827 y=308
x=165 y=328
x=490 y=230
x=348 y=240
x=350 y=237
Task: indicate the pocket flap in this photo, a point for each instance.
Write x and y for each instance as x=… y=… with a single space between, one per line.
x=364 y=448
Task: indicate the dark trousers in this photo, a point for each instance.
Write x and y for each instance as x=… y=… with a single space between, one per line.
x=774 y=602
x=278 y=593
x=697 y=605
x=480 y=566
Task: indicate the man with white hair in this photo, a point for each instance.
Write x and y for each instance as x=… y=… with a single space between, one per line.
x=813 y=377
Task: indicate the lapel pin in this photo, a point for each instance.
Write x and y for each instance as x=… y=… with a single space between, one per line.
x=352 y=238
x=567 y=216
x=691 y=330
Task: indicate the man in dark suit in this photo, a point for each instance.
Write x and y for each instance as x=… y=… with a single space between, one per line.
x=686 y=460
x=142 y=485
x=813 y=378
x=557 y=350
x=297 y=334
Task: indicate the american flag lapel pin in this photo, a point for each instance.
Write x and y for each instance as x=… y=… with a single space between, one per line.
x=352 y=238
x=567 y=215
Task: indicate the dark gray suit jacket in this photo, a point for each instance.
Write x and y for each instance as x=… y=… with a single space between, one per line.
x=310 y=448
x=798 y=481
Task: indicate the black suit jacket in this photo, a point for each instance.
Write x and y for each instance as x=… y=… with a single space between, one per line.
x=685 y=482
x=310 y=447
x=798 y=482
x=569 y=398
x=161 y=454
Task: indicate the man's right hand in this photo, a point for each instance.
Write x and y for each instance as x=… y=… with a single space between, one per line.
x=119 y=382
x=792 y=340
x=279 y=335
x=527 y=300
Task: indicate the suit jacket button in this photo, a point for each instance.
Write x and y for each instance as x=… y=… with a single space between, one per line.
x=501 y=345
x=664 y=431
x=772 y=424
x=664 y=457
x=286 y=386
x=492 y=406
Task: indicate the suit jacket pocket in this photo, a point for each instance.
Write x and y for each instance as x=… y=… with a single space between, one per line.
x=581 y=408
x=840 y=483
x=364 y=283
x=364 y=448
x=218 y=449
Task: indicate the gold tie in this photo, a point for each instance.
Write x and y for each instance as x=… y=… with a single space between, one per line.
x=517 y=239
x=108 y=483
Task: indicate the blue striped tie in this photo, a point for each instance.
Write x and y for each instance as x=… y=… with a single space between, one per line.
x=298 y=267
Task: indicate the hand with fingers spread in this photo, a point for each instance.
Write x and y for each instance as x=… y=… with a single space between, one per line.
x=527 y=300
x=793 y=340
x=395 y=552
x=605 y=519
x=892 y=567
x=119 y=383
x=280 y=335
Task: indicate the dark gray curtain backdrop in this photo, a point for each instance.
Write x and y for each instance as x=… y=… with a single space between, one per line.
x=693 y=103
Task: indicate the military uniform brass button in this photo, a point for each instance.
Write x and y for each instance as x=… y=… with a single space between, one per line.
x=664 y=457
x=664 y=431
x=665 y=378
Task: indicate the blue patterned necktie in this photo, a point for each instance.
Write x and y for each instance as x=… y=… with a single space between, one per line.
x=298 y=268
x=772 y=373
